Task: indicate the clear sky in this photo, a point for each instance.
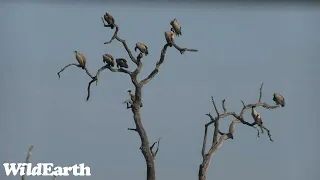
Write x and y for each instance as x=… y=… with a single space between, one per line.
x=239 y=47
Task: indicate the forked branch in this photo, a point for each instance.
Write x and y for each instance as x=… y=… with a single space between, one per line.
x=154 y=154
x=74 y=64
x=115 y=36
x=161 y=60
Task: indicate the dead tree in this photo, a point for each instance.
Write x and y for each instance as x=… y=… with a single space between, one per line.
x=135 y=103
x=217 y=141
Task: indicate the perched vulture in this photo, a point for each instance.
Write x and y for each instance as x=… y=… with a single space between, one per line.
x=169 y=37
x=109 y=19
x=257 y=118
x=107 y=58
x=81 y=59
x=121 y=63
x=142 y=47
x=132 y=98
x=279 y=99
x=176 y=27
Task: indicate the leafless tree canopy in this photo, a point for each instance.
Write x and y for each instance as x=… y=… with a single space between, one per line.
x=216 y=140
x=135 y=101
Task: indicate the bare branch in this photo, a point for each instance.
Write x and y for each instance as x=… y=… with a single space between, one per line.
x=161 y=60
x=182 y=50
x=65 y=67
x=260 y=92
x=27 y=160
x=154 y=154
x=215 y=107
x=115 y=36
x=139 y=63
x=211 y=118
x=224 y=106
x=74 y=64
x=204 y=143
x=244 y=106
x=96 y=78
x=88 y=88
x=112 y=70
x=132 y=129
x=115 y=33
x=269 y=134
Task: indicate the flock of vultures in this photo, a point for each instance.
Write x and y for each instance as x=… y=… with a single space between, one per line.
x=169 y=35
x=121 y=62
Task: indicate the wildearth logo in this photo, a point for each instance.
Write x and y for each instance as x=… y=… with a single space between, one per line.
x=45 y=169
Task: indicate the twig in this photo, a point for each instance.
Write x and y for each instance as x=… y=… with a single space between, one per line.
x=154 y=154
x=27 y=160
x=260 y=92
x=88 y=88
x=224 y=106
x=132 y=129
x=74 y=64
x=115 y=32
x=215 y=107
x=182 y=50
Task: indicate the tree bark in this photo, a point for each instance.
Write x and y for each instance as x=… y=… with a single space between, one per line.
x=145 y=147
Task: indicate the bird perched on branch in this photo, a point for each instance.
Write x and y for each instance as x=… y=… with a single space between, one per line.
x=121 y=63
x=107 y=58
x=109 y=19
x=279 y=99
x=176 y=27
x=81 y=59
x=142 y=47
x=257 y=118
x=129 y=102
x=169 y=37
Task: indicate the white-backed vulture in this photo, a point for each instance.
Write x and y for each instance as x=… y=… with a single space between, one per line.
x=257 y=118
x=142 y=47
x=169 y=37
x=121 y=63
x=107 y=58
x=279 y=99
x=81 y=59
x=176 y=27
x=132 y=98
x=109 y=19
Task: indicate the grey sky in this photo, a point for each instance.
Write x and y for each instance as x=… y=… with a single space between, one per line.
x=239 y=47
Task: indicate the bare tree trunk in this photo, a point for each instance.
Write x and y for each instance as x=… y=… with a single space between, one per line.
x=146 y=151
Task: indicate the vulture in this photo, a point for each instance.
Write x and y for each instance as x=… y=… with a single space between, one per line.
x=257 y=118
x=169 y=37
x=81 y=59
x=142 y=47
x=132 y=96
x=121 y=63
x=109 y=19
x=279 y=99
x=176 y=27
x=107 y=58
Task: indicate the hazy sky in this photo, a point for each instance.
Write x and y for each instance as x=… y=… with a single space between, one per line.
x=239 y=47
